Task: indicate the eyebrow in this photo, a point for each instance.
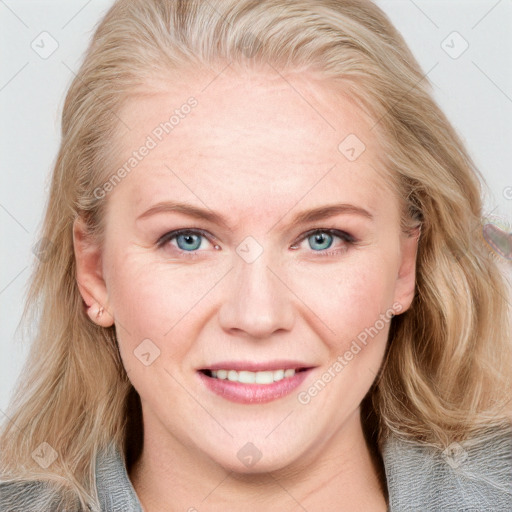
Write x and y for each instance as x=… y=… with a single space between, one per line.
x=304 y=217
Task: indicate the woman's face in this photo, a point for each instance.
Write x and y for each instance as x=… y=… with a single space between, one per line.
x=252 y=285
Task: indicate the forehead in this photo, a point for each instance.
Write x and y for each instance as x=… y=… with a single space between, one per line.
x=241 y=137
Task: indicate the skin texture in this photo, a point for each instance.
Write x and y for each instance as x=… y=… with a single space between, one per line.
x=258 y=148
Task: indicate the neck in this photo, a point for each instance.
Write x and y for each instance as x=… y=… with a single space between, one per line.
x=343 y=475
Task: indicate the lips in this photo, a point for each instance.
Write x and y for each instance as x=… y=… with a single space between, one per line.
x=249 y=382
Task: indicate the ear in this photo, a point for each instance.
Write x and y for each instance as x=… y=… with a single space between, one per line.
x=406 y=277
x=89 y=275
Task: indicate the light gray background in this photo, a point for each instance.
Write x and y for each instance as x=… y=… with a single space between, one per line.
x=474 y=89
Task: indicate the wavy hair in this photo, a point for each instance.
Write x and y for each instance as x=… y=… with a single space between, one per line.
x=446 y=374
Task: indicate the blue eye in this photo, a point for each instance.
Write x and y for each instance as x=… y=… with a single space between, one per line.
x=187 y=240
x=323 y=239
x=319 y=241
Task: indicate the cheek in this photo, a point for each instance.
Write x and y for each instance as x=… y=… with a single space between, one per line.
x=356 y=306
x=348 y=297
x=156 y=301
x=137 y=300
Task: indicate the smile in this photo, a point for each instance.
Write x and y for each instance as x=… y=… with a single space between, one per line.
x=250 y=387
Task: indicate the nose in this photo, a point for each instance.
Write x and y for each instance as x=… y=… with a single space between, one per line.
x=257 y=302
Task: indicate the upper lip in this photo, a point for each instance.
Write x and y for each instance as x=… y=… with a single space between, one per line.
x=257 y=367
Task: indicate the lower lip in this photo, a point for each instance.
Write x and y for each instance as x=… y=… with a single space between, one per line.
x=253 y=393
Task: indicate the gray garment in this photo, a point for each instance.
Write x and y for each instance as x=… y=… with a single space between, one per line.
x=471 y=477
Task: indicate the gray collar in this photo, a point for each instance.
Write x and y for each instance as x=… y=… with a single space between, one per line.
x=115 y=490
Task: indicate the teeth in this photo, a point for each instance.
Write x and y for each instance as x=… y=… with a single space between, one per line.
x=279 y=374
x=246 y=377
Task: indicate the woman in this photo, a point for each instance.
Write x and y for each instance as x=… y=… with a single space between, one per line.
x=267 y=287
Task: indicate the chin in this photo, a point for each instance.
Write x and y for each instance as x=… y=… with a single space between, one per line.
x=257 y=456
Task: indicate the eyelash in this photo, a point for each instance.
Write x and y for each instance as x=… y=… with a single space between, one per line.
x=347 y=238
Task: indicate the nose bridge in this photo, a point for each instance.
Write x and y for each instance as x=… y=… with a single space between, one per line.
x=257 y=302
x=256 y=282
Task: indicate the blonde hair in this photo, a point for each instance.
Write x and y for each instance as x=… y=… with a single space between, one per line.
x=446 y=375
